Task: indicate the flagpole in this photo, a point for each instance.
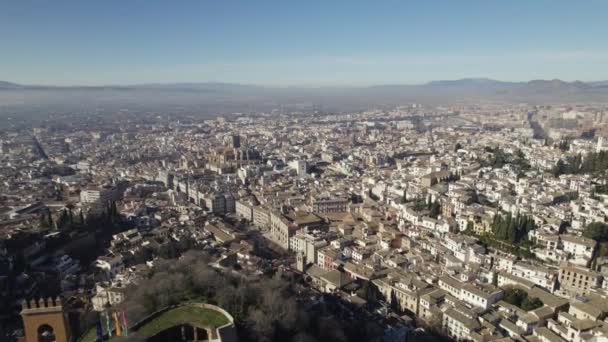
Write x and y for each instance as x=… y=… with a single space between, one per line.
x=124 y=322
x=99 y=329
x=107 y=316
x=117 y=324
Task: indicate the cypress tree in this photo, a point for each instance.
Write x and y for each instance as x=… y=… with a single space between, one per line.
x=50 y=219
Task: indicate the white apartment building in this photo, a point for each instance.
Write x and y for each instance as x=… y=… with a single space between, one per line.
x=459 y=324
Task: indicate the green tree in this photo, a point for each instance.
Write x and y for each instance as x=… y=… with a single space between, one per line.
x=530 y=304
x=600 y=189
x=114 y=214
x=592 y=164
x=50 y=221
x=44 y=222
x=515 y=296
x=395 y=305
x=435 y=209
x=419 y=204
x=63 y=220
x=512 y=230
x=597 y=231
x=563 y=227
x=559 y=168
x=469 y=229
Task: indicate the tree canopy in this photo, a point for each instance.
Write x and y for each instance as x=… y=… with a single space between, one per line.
x=512 y=229
x=515 y=296
x=595 y=162
x=531 y=303
x=264 y=308
x=499 y=158
x=520 y=298
x=597 y=231
x=434 y=209
x=563 y=145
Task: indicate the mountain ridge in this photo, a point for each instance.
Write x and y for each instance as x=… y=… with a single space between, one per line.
x=481 y=81
x=217 y=97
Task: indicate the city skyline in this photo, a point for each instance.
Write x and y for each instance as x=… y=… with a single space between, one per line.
x=240 y=171
x=312 y=44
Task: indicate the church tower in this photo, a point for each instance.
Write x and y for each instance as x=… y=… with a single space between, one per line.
x=45 y=321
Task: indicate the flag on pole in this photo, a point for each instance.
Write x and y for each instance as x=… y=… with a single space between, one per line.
x=107 y=317
x=117 y=324
x=99 y=330
x=124 y=323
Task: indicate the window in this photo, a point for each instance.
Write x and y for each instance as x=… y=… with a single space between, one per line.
x=46 y=333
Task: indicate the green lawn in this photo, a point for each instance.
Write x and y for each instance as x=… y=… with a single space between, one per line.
x=90 y=335
x=196 y=316
x=192 y=314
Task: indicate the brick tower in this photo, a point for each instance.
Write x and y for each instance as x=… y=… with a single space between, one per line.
x=45 y=321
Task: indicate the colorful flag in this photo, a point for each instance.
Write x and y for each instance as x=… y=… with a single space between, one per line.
x=117 y=324
x=124 y=323
x=107 y=316
x=99 y=331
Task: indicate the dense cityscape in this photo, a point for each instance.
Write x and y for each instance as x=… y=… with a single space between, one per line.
x=303 y=171
x=470 y=222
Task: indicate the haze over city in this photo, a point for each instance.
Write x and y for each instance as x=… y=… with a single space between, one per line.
x=260 y=171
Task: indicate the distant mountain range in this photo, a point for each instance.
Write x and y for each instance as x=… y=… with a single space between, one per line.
x=9 y=85
x=218 y=86
x=218 y=98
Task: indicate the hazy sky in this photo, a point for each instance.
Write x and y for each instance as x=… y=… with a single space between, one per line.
x=300 y=42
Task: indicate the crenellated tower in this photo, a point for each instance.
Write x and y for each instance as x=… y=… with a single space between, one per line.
x=45 y=320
